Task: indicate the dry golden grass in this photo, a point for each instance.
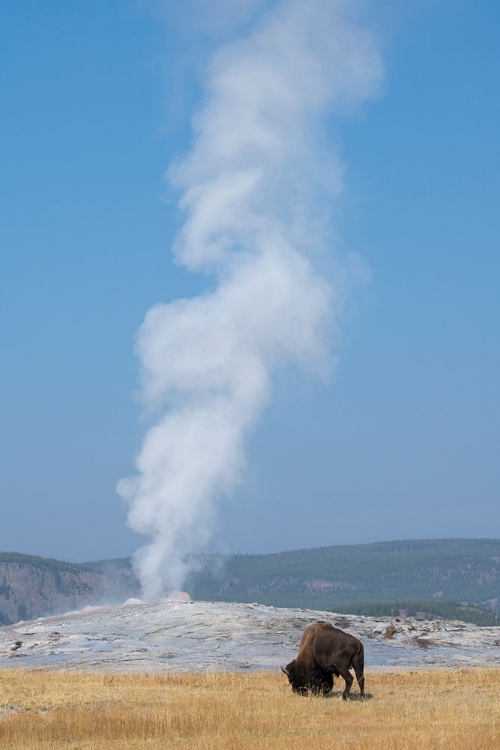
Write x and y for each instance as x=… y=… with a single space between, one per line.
x=403 y=711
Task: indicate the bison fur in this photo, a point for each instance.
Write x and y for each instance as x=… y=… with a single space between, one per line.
x=326 y=652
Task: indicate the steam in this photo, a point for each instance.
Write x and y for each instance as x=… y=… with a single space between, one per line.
x=256 y=189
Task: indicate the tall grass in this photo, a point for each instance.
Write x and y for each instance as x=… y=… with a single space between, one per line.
x=403 y=711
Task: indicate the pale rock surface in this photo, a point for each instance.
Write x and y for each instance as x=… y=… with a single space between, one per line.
x=184 y=636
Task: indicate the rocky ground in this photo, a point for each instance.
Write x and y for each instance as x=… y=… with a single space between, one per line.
x=204 y=636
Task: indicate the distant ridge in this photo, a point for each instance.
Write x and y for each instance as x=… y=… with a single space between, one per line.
x=325 y=578
x=462 y=570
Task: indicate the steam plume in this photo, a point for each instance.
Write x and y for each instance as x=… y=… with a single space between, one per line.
x=256 y=190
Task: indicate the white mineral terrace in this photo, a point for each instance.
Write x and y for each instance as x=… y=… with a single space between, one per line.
x=178 y=636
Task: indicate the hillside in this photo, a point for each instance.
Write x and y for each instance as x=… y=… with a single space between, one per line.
x=32 y=586
x=326 y=578
x=461 y=570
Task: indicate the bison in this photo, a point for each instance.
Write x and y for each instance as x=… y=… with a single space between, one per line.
x=326 y=651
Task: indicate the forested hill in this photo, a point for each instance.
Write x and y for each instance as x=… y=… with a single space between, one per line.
x=326 y=578
x=462 y=570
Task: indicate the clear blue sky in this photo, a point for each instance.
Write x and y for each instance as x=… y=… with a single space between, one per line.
x=404 y=442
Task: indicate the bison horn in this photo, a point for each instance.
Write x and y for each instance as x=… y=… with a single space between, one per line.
x=285 y=670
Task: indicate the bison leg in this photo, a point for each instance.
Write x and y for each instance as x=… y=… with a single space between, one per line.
x=348 y=682
x=361 y=682
x=358 y=663
x=320 y=681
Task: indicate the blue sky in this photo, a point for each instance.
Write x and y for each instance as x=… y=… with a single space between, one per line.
x=403 y=442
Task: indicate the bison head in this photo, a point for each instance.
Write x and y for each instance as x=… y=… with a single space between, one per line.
x=296 y=678
x=316 y=679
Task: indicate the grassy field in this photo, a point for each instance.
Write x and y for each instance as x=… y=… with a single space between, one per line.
x=403 y=711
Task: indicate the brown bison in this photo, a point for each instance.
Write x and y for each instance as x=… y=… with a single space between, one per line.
x=326 y=651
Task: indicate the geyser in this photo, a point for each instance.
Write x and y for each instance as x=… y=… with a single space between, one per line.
x=256 y=190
